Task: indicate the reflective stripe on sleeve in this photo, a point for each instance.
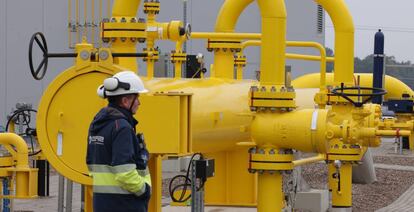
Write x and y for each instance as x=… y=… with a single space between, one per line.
x=113 y=169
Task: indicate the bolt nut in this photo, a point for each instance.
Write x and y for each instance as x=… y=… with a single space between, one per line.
x=84 y=55
x=252 y=150
x=261 y=151
x=252 y=171
x=133 y=20
x=123 y=20
x=337 y=164
x=103 y=55
x=272 y=152
x=113 y=20
x=261 y=171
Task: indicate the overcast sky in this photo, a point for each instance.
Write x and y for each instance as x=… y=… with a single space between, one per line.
x=394 y=17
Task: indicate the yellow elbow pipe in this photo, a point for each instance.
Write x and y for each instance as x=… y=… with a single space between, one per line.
x=21 y=155
x=300 y=162
x=344 y=40
x=226 y=22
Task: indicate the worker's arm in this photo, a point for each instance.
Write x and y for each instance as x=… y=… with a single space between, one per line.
x=123 y=163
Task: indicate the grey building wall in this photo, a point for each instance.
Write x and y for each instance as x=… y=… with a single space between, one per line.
x=19 y=19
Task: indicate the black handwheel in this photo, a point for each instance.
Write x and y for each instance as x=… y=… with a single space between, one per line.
x=40 y=71
x=374 y=92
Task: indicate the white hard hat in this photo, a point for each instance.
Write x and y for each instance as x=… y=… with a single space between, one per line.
x=125 y=82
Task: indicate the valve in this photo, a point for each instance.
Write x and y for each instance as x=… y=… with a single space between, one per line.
x=374 y=92
x=40 y=40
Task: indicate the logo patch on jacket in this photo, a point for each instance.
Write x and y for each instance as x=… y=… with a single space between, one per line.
x=98 y=140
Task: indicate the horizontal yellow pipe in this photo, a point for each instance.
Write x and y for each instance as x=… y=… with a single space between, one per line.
x=288 y=55
x=392 y=133
x=300 y=162
x=20 y=145
x=224 y=35
x=308 y=57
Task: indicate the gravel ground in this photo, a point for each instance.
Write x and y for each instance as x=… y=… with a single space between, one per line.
x=390 y=185
x=394 y=160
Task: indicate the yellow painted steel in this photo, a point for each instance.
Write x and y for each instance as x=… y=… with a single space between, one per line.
x=65 y=112
x=394 y=87
x=341 y=185
x=300 y=162
x=280 y=129
x=272 y=62
x=125 y=9
x=25 y=177
x=155 y=165
x=226 y=23
x=344 y=39
x=270 y=195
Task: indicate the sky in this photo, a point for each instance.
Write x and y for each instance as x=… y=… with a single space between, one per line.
x=394 y=17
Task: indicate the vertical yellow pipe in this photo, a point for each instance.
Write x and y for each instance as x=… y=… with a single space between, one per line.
x=272 y=63
x=88 y=192
x=178 y=64
x=270 y=194
x=239 y=69
x=342 y=191
x=127 y=9
x=344 y=40
x=226 y=22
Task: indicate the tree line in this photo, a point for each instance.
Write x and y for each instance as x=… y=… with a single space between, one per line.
x=402 y=70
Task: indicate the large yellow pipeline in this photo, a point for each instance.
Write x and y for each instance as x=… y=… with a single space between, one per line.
x=217 y=126
x=344 y=39
x=393 y=86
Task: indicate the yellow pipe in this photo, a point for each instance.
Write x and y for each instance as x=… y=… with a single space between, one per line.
x=322 y=58
x=300 y=162
x=239 y=69
x=344 y=39
x=226 y=22
x=12 y=127
x=270 y=193
x=123 y=8
x=272 y=63
x=308 y=57
x=150 y=62
x=341 y=187
x=392 y=133
x=393 y=86
x=280 y=129
x=322 y=53
x=224 y=35
x=178 y=64
x=127 y=9
x=21 y=155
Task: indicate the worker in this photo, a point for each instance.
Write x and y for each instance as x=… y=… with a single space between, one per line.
x=117 y=157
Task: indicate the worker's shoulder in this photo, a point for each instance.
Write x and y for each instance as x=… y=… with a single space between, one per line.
x=122 y=124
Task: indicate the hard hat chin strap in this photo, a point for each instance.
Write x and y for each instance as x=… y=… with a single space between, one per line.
x=132 y=104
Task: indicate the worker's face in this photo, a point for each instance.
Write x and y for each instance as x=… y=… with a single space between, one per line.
x=131 y=103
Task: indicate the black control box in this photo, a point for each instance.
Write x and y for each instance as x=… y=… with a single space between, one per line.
x=204 y=168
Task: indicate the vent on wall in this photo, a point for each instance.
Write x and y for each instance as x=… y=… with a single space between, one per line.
x=320 y=21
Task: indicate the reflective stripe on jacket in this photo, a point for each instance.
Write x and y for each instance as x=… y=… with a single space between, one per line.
x=117 y=161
